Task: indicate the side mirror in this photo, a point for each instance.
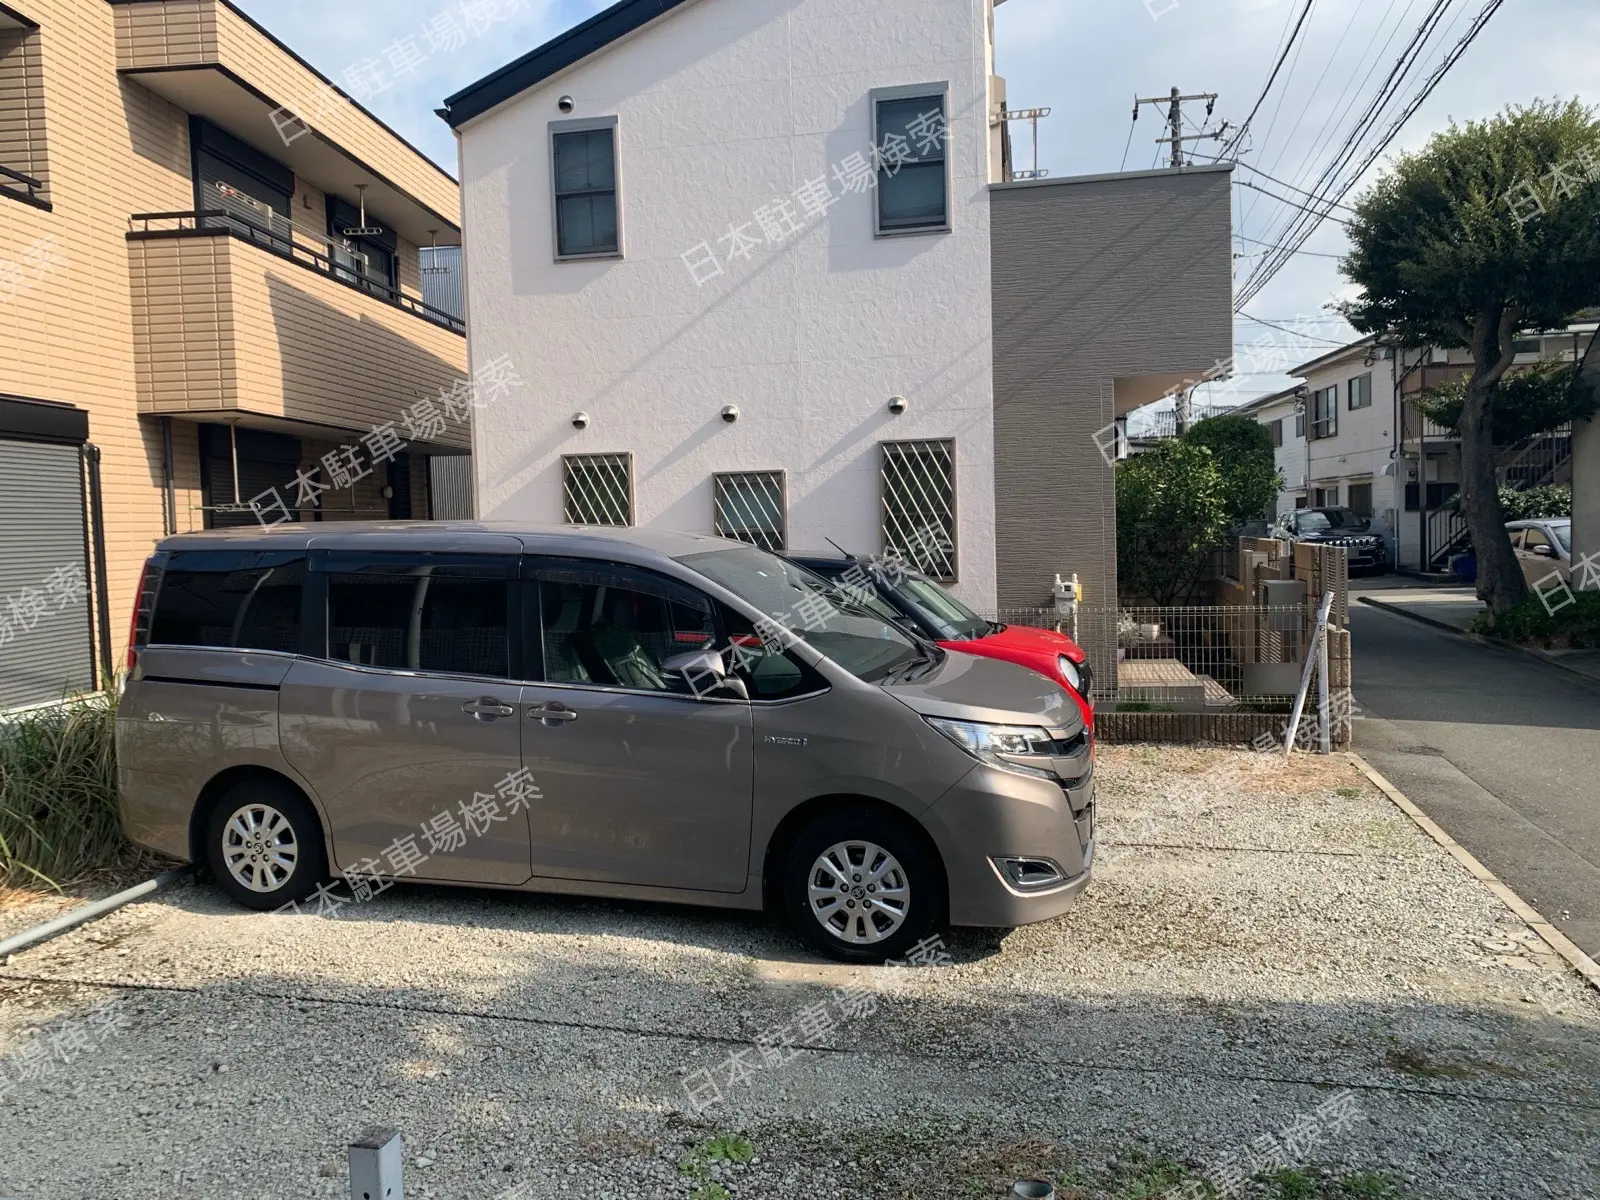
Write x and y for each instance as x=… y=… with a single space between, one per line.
x=707 y=674
x=1544 y=551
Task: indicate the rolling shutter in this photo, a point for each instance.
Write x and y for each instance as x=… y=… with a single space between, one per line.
x=46 y=641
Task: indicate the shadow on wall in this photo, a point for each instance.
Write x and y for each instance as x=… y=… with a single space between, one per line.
x=350 y=371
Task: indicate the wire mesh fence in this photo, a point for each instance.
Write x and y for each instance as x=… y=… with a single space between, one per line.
x=1217 y=658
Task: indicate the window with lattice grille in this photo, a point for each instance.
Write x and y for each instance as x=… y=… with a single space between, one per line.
x=597 y=489
x=919 y=505
x=751 y=507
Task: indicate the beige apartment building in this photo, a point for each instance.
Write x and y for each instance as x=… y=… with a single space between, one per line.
x=214 y=310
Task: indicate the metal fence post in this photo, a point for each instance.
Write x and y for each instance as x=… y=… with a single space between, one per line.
x=376 y=1166
x=1322 y=683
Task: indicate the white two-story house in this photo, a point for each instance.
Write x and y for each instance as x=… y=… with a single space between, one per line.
x=767 y=271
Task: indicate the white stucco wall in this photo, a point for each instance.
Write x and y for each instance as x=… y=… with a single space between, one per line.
x=1360 y=450
x=722 y=107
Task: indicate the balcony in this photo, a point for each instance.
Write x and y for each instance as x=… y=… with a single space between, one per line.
x=210 y=59
x=232 y=316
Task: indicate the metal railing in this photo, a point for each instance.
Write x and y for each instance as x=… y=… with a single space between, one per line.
x=1215 y=658
x=29 y=188
x=337 y=260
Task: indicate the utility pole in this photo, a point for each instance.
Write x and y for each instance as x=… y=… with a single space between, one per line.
x=1175 y=102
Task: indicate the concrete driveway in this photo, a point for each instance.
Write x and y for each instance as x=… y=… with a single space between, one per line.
x=1501 y=749
x=1273 y=968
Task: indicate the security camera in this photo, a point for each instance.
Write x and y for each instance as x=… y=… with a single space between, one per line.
x=566 y=104
x=731 y=413
x=580 y=420
x=897 y=405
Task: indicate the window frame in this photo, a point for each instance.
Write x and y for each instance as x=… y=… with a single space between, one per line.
x=32 y=189
x=316 y=622
x=586 y=125
x=1327 y=426
x=886 y=451
x=1350 y=392
x=536 y=572
x=939 y=90
x=782 y=480
x=1349 y=491
x=1276 y=429
x=633 y=499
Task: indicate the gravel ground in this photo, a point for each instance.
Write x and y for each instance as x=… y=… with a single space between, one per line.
x=1260 y=940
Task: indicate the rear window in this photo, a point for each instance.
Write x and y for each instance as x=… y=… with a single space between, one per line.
x=231 y=601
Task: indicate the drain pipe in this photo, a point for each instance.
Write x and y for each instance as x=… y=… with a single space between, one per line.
x=79 y=916
x=102 y=588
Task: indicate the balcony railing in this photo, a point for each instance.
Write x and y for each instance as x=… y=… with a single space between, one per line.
x=1414 y=425
x=22 y=187
x=336 y=259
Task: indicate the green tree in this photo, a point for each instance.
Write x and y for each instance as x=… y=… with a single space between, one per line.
x=1172 y=508
x=1493 y=227
x=1243 y=450
x=1537 y=400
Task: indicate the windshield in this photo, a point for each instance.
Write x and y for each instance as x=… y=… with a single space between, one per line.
x=868 y=646
x=1312 y=522
x=1345 y=518
x=1564 y=536
x=954 y=621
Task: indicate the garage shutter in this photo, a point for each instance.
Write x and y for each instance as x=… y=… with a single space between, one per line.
x=46 y=646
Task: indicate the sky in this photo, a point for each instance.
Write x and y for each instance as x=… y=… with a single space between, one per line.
x=1086 y=60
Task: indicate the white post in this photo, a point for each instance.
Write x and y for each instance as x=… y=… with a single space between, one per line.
x=376 y=1166
x=1322 y=684
x=1316 y=649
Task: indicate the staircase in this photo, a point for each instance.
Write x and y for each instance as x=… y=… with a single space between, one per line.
x=1543 y=460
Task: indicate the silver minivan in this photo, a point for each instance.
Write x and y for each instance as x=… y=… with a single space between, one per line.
x=598 y=712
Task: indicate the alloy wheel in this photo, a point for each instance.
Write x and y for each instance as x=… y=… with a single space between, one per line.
x=259 y=847
x=859 y=892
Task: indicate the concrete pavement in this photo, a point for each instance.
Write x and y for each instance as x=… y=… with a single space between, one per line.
x=1500 y=749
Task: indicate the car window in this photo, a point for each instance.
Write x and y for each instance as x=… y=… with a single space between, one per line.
x=807 y=606
x=953 y=620
x=1516 y=538
x=243 y=601
x=769 y=671
x=422 y=616
x=615 y=626
x=1564 y=536
x=1534 y=536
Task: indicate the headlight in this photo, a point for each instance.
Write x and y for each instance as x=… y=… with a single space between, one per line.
x=1069 y=672
x=987 y=743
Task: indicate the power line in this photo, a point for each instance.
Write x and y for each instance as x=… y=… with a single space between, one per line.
x=1299 y=229
x=1245 y=183
x=1308 y=337
x=1271 y=79
x=1290 y=186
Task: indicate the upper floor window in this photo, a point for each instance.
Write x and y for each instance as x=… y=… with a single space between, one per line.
x=1277 y=432
x=583 y=158
x=23 y=170
x=909 y=136
x=1324 y=413
x=1360 y=391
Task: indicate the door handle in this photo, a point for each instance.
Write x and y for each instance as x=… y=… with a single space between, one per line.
x=487 y=709
x=553 y=713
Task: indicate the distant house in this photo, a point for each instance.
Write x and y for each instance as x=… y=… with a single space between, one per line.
x=1350 y=435
x=768 y=271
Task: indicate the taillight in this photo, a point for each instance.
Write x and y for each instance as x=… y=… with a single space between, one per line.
x=139 y=623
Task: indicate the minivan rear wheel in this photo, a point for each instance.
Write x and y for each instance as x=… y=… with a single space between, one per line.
x=859 y=887
x=264 y=844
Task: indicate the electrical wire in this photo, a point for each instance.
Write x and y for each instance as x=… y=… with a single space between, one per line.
x=1325 y=215
x=1290 y=186
x=1308 y=337
x=1328 y=188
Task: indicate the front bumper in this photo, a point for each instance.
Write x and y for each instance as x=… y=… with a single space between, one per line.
x=992 y=814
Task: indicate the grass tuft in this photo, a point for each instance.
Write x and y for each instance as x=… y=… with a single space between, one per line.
x=58 y=793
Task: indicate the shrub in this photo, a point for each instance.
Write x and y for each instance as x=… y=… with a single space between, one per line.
x=1573 y=625
x=58 y=792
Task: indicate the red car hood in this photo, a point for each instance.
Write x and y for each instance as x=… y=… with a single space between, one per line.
x=1023 y=638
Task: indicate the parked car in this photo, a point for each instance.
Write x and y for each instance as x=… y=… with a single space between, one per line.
x=937 y=614
x=597 y=712
x=1335 y=526
x=1543 y=547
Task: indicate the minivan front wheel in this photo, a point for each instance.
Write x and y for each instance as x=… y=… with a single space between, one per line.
x=264 y=844
x=860 y=888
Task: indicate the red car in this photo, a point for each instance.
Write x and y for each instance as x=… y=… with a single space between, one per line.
x=920 y=602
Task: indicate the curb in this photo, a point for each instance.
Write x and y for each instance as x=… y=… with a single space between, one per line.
x=39 y=934
x=1543 y=656
x=1548 y=933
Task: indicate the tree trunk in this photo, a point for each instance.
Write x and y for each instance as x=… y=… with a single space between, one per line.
x=1500 y=581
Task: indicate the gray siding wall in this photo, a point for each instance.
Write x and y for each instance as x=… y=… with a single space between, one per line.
x=1095 y=280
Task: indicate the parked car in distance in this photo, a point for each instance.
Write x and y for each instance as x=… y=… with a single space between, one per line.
x=937 y=614
x=1543 y=547
x=601 y=712
x=1336 y=526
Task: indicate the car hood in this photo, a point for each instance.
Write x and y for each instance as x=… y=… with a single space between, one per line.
x=968 y=687
x=1026 y=638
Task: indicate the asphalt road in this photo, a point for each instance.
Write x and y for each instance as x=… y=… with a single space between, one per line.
x=1501 y=750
